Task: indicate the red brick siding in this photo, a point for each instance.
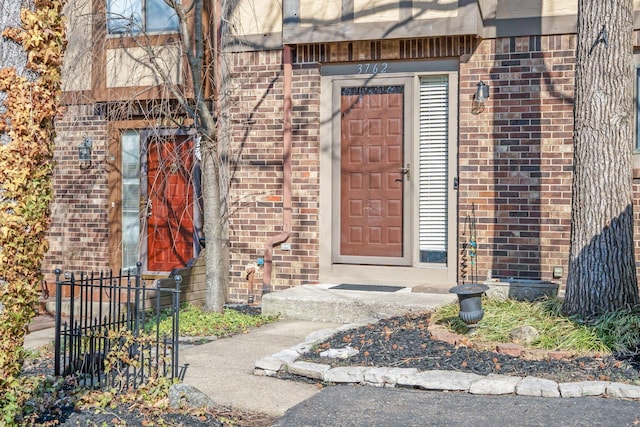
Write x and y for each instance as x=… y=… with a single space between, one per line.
x=255 y=202
x=306 y=176
x=515 y=157
x=79 y=233
x=256 y=117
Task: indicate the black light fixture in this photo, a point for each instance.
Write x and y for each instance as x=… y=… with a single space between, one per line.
x=482 y=92
x=84 y=151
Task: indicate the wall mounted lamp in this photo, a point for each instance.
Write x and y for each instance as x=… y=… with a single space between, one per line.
x=84 y=152
x=481 y=95
x=482 y=92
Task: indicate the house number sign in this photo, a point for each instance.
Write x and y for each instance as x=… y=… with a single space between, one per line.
x=372 y=68
x=390 y=67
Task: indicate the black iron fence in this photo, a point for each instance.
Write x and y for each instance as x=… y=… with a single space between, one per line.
x=108 y=329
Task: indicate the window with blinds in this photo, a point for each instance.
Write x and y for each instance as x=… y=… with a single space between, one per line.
x=433 y=173
x=130 y=198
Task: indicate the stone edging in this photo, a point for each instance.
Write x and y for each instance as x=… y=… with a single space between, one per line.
x=443 y=380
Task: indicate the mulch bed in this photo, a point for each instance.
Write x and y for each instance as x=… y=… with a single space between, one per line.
x=61 y=407
x=407 y=342
x=130 y=415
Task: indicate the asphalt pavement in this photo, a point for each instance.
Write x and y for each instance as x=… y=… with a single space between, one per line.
x=353 y=406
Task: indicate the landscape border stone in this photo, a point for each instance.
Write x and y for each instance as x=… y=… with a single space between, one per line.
x=311 y=370
x=286 y=360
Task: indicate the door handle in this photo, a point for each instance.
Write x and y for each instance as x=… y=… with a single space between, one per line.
x=147 y=206
x=406 y=171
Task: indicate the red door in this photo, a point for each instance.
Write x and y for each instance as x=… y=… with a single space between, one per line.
x=170 y=198
x=371 y=181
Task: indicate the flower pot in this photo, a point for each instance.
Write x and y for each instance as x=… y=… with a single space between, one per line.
x=470 y=300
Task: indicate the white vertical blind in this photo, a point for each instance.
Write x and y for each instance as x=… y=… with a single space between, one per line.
x=130 y=198
x=433 y=152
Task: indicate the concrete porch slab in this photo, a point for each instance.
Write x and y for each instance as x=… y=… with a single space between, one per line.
x=319 y=303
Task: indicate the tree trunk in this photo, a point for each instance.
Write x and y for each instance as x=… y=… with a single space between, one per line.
x=214 y=220
x=602 y=273
x=200 y=48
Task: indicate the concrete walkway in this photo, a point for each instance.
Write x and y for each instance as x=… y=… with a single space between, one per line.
x=37 y=339
x=224 y=369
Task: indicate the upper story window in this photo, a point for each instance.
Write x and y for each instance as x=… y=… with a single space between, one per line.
x=138 y=16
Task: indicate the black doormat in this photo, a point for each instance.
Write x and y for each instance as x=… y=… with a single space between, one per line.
x=370 y=288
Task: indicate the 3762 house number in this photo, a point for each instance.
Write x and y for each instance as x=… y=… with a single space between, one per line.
x=368 y=68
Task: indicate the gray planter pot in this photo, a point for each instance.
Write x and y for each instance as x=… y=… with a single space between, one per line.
x=521 y=289
x=470 y=300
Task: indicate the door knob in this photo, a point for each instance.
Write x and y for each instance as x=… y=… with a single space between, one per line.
x=406 y=171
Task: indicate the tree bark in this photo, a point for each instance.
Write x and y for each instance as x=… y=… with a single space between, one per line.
x=602 y=274
x=214 y=220
x=216 y=266
x=198 y=35
x=12 y=55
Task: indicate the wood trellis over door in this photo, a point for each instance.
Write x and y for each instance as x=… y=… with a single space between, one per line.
x=170 y=206
x=372 y=173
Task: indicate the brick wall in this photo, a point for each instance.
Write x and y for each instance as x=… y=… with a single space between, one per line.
x=78 y=237
x=305 y=155
x=516 y=155
x=256 y=128
x=255 y=204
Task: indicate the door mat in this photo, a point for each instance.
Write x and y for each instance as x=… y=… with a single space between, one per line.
x=370 y=288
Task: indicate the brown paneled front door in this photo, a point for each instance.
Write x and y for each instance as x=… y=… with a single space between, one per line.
x=170 y=203
x=372 y=174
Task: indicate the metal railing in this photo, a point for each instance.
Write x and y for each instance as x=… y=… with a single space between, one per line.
x=107 y=329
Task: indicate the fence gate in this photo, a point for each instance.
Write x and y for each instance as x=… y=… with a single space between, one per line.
x=107 y=333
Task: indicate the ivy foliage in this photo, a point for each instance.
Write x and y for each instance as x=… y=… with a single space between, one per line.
x=25 y=175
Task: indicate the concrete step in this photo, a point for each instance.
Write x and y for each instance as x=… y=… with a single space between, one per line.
x=320 y=303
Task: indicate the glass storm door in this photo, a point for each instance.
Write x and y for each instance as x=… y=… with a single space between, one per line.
x=373 y=175
x=388 y=162
x=130 y=210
